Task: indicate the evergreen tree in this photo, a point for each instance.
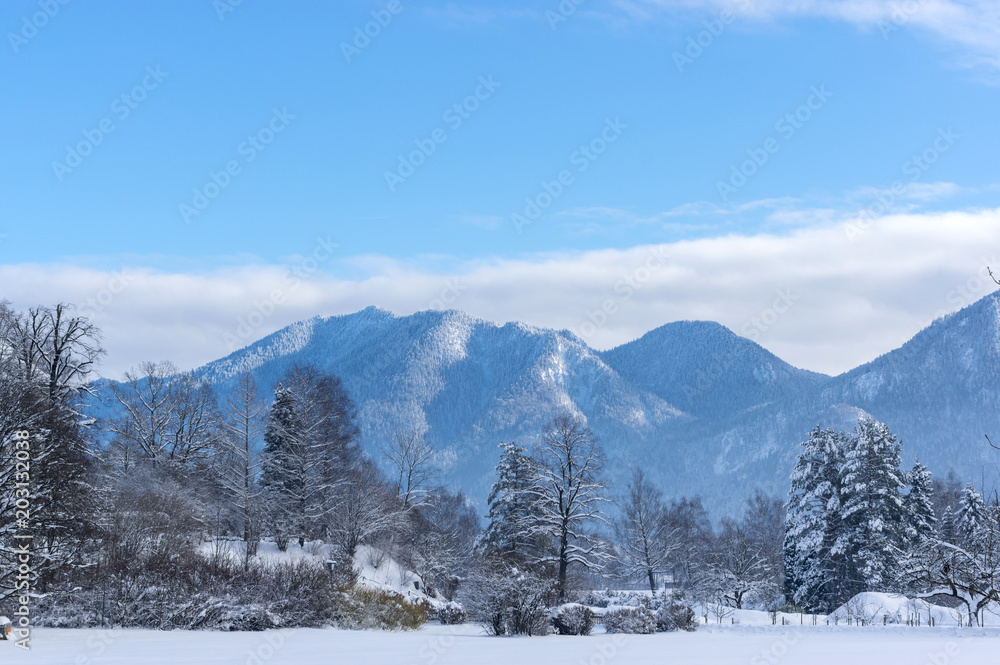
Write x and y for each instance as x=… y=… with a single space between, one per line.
x=514 y=509
x=919 y=506
x=971 y=516
x=872 y=508
x=310 y=452
x=277 y=479
x=947 y=527
x=812 y=572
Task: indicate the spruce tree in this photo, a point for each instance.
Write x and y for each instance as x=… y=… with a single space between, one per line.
x=970 y=517
x=919 y=504
x=811 y=570
x=310 y=452
x=514 y=510
x=872 y=508
x=947 y=527
x=277 y=480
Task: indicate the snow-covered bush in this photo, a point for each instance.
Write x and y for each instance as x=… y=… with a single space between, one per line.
x=574 y=620
x=508 y=600
x=596 y=599
x=608 y=598
x=675 y=617
x=362 y=608
x=631 y=620
x=451 y=614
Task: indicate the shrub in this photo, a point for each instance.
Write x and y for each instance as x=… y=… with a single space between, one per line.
x=597 y=599
x=452 y=614
x=507 y=600
x=675 y=617
x=574 y=620
x=630 y=620
x=362 y=608
x=621 y=598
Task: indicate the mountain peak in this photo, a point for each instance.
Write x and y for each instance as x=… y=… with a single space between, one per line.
x=706 y=369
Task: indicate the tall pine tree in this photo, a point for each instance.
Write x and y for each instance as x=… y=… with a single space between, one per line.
x=919 y=506
x=514 y=511
x=278 y=480
x=872 y=508
x=971 y=516
x=947 y=528
x=812 y=572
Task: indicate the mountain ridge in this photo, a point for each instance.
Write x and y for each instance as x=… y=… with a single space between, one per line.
x=702 y=409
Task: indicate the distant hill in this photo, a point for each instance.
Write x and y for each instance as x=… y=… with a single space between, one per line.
x=703 y=410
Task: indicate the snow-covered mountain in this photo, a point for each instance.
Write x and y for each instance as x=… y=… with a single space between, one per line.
x=701 y=409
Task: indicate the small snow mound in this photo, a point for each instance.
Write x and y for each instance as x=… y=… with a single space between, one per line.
x=889 y=608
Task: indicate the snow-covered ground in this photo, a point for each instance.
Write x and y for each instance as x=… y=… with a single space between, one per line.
x=467 y=645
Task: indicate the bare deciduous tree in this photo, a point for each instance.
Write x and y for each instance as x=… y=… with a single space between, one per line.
x=571 y=494
x=366 y=507
x=412 y=462
x=645 y=539
x=243 y=424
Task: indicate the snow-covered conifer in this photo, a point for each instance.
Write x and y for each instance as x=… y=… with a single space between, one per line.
x=871 y=507
x=920 y=520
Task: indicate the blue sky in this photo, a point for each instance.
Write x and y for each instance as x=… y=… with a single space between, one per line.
x=898 y=75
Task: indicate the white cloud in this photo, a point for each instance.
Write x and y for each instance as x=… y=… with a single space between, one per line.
x=972 y=25
x=851 y=301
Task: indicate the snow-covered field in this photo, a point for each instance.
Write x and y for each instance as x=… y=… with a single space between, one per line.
x=467 y=645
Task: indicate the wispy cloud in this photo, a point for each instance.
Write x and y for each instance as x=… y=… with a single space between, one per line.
x=772 y=213
x=854 y=300
x=973 y=26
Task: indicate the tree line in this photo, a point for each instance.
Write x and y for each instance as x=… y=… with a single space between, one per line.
x=858 y=522
x=151 y=498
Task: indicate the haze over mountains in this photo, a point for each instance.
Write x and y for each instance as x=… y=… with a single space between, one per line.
x=701 y=409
